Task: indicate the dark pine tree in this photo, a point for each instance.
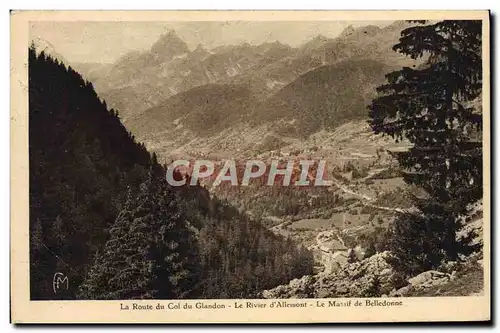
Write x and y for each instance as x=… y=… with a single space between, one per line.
x=434 y=106
x=370 y=249
x=351 y=257
x=151 y=253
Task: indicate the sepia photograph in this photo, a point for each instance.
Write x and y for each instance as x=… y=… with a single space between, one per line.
x=225 y=162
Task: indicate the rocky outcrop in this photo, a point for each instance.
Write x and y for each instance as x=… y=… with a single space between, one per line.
x=422 y=281
x=333 y=262
x=350 y=280
x=454 y=278
x=374 y=277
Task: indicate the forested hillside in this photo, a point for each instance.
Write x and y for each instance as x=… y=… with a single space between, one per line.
x=325 y=97
x=203 y=110
x=102 y=214
x=82 y=161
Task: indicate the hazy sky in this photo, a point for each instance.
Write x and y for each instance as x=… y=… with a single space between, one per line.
x=108 y=41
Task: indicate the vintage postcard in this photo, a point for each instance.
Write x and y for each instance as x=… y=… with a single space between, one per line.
x=250 y=166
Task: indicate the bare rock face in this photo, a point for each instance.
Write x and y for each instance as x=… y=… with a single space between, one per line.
x=424 y=281
x=297 y=288
x=168 y=46
x=348 y=31
x=429 y=278
x=42 y=45
x=350 y=280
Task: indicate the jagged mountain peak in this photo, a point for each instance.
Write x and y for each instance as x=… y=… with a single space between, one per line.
x=320 y=38
x=400 y=24
x=272 y=46
x=47 y=47
x=43 y=45
x=347 y=31
x=368 y=30
x=169 y=43
x=200 y=53
x=315 y=42
x=170 y=34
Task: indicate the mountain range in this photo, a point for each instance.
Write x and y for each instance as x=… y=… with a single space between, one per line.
x=141 y=80
x=169 y=93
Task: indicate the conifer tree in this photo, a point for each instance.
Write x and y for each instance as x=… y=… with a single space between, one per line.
x=351 y=256
x=434 y=107
x=150 y=253
x=107 y=264
x=370 y=249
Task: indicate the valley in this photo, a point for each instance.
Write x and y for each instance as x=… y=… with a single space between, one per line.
x=274 y=102
x=366 y=194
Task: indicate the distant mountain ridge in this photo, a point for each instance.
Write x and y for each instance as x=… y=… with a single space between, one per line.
x=324 y=98
x=46 y=47
x=202 y=110
x=141 y=80
x=323 y=83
